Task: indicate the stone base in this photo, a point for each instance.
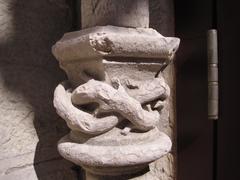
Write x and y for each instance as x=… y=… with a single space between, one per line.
x=125 y=155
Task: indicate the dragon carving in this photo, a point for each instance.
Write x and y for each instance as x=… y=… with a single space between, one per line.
x=140 y=104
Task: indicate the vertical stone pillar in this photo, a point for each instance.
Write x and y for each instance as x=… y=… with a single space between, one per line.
x=116 y=99
x=125 y=13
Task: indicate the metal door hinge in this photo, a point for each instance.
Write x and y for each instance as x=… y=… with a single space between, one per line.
x=212 y=46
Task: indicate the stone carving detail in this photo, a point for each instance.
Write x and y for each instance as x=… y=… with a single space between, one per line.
x=113 y=116
x=110 y=100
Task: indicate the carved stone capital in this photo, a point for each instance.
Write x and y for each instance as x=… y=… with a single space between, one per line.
x=114 y=98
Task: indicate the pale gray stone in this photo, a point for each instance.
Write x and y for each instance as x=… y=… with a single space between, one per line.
x=109 y=99
x=79 y=120
x=103 y=138
x=117 y=158
x=112 y=41
x=78 y=147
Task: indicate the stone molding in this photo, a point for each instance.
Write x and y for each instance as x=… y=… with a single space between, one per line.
x=113 y=119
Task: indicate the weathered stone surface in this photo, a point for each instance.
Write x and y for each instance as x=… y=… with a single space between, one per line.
x=97 y=141
x=77 y=119
x=125 y=13
x=162 y=19
x=116 y=159
x=112 y=41
x=109 y=99
x=96 y=44
x=29 y=126
x=163 y=169
x=111 y=152
x=28 y=30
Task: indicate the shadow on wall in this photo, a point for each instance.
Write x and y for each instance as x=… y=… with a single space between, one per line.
x=29 y=73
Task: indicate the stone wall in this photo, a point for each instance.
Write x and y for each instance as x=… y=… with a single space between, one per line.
x=29 y=126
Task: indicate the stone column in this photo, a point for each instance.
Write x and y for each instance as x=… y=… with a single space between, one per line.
x=125 y=13
x=116 y=98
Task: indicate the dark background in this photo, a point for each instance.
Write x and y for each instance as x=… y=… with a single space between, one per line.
x=207 y=150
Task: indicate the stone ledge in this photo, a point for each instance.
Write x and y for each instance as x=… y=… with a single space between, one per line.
x=117 y=159
x=112 y=41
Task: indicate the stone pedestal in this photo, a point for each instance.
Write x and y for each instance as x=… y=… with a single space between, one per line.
x=114 y=99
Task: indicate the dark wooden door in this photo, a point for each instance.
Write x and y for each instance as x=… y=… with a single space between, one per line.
x=228 y=151
x=195 y=131
x=207 y=150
